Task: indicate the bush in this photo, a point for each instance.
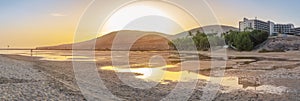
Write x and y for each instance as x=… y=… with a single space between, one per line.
x=182 y=44
x=243 y=42
x=246 y=41
x=231 y=37
x=201 y=41
x=258 y=37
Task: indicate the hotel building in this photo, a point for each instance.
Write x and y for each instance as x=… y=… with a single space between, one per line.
x=296 y=31
x=270 y=27
x=284 y=28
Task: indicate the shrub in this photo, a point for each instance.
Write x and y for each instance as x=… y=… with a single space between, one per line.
x=246 y=41
x=243 y=42
x=258 y=37
x=182 y=43
x=201 y=41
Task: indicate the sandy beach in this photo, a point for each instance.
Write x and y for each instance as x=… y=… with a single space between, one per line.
x=23 y=80
x=248 y=76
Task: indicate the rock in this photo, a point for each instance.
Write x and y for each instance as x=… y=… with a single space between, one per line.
x=289 y=43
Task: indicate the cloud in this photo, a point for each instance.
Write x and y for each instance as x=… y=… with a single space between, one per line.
x=57 y=14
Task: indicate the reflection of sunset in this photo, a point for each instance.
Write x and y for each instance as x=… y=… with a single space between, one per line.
x=159 y=74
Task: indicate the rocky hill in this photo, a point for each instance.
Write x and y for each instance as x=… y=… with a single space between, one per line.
x=218 y=29
x=281 y=43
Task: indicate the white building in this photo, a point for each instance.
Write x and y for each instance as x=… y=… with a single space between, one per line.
x=270 y=27
x=284 y=28
x=254 y=24
x=246 y=25
x=296 y=31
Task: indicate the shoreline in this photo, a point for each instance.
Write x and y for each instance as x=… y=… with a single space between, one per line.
x=23 y=80
x=63 y=77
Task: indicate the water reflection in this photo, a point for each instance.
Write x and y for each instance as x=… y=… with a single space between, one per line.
x=160 y=74
x=156 y=74
x=50 y=55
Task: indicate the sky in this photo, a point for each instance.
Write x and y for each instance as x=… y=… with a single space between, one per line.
x=34 y=23
x=279 y=11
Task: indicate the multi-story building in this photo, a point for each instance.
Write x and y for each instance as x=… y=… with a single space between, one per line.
x=270 y=27
x=254 y=24
x=246 y=25
x=296 y=31
x=284 y=28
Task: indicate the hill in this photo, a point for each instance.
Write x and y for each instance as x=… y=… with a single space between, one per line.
x=124 y=41
x=288 y=43
x=219 y=29
x=121 y=40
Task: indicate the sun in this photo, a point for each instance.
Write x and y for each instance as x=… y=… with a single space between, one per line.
x=131 y=12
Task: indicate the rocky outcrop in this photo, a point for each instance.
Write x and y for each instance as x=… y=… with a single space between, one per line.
x=288 y=43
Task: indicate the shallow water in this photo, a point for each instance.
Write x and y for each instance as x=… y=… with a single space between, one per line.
x=156 y=74
x=50 y=55
x=161 y=75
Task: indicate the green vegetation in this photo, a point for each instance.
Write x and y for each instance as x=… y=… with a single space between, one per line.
x=199 y=41
x=258 y=37
x=241 y=41
x=246 y=41
x=182 y=43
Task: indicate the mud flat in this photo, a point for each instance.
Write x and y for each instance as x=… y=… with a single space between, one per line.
x=248 y=76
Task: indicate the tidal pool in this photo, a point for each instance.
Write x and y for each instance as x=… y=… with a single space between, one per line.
x=161 y=75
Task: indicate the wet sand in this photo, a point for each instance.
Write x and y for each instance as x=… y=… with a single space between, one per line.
x=250 y=76
x=23 y=80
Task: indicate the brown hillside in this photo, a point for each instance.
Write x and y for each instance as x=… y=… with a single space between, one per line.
x=121 y=40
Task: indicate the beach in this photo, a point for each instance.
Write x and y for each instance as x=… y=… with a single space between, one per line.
x=247 y=76
x=23 y=80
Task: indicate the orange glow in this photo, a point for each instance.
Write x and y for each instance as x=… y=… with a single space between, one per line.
x=47 y=28
x=136 y=10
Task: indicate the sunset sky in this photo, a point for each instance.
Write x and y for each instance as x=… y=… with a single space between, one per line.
x=33 y=23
